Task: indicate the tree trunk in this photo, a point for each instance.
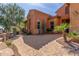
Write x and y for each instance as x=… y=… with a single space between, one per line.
x=4 y=37
x=64 y=36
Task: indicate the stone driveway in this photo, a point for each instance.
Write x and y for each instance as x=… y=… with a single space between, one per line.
x=38 y=41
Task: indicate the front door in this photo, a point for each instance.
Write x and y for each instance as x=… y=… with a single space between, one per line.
x=52 y=25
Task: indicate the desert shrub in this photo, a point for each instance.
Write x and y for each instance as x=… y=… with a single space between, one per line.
x=8 y=43
x=49 y=29
x=61 y=27
x=29 y=33
x=73 y=35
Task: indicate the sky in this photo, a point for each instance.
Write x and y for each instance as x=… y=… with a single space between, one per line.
x=49 y=8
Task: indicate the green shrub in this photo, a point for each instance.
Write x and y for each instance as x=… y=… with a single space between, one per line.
x=61 y=27
x=73 y=35
x=49 y=29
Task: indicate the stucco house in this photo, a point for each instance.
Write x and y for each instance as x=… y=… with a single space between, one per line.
x=39 y=22
x=63 y=14
x=74 y=17
x=69 y=13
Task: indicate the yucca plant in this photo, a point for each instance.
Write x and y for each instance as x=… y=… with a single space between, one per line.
x=62 y=28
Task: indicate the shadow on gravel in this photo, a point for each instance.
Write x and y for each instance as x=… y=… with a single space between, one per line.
x=38 y=41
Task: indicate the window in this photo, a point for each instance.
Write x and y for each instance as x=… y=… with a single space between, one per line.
x=66 y=21
x=38 y=23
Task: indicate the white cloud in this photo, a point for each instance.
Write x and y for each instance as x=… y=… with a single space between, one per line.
x=37 y=5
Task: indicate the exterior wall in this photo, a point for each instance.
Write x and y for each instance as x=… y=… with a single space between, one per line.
x=61 y=11
x=62 y=15
x=29 y=22
x=74 y=17
x=33 y=17
x=57 y=21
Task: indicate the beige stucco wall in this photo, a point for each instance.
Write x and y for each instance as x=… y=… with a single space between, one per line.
x=74 y=17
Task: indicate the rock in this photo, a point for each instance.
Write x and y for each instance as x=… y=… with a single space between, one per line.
x=24 y=49
x=6 y=52
x=53 y=48
x=1 y=39
x=2 y=45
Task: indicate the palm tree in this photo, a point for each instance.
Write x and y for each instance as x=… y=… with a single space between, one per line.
x=62 y=28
